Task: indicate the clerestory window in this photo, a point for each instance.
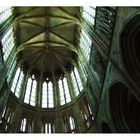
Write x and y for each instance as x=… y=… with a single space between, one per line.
x=7 y=43
x=30 y=94
x=64 y=91
x=89 y=14
x=47 y=95
x=85 y=44
x=17 y=82
x=5 y=12
x=77 y=83
x=48 y=128
x=23 y=125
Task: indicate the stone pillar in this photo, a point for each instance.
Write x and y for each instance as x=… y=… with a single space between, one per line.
x=39 y=90
x=37 y=123
x=57 y=105
x=78 y=118
x=56 y=92
x=58 y=123
x=16 y=121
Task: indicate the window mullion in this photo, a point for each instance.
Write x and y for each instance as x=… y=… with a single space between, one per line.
x=30 y=92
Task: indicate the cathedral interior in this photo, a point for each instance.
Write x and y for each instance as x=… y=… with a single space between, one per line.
x=69 y=69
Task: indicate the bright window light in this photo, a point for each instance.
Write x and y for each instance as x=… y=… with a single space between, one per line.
x=72 y=124
x=44 y=95
x=23 y=125
x=67 y=94
x=64 y=91
x=47 y=95
x=48 y=128
x=61 y=92
x=17 y=82
x=75 y=86
x=5 y=12
x=78 y=80
x=77 y=83
x=89 y=14
x=50 y=95
x=33 y=93
x=28 y=92
x=85 y=44
x=7 y=43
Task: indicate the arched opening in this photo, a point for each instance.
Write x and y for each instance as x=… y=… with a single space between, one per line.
x=124 y=109
x=130 y=48
x=106 y=128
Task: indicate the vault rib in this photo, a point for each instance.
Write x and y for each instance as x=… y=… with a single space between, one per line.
x=66 y=58
x=31 y=23
x=21 y=16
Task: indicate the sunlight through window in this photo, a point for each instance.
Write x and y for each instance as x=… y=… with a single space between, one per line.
x=5 y=12
x=17 y=82
x=8 y=43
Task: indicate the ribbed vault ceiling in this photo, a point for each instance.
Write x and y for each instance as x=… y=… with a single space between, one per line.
x=47 y=37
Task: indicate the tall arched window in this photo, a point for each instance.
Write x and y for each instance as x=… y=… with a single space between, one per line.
x=5 y=12
x=7 y=43
x=16 y=85
x=69 y=124
x=48 y=128
x=50 y=95
x=72 y=123
x=23 y=125
x=44 y=95
x=89 y=14
x=77 y=84
x=47 y=95
x=30 y=94
x=64 y=91
x=85 y=44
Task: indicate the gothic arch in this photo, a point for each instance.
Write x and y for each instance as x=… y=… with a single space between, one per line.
x=124 y=109
x=129 y=41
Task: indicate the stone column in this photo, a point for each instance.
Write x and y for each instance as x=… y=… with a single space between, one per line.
x=78 y=118
x=39 y=90
x=16 y=121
